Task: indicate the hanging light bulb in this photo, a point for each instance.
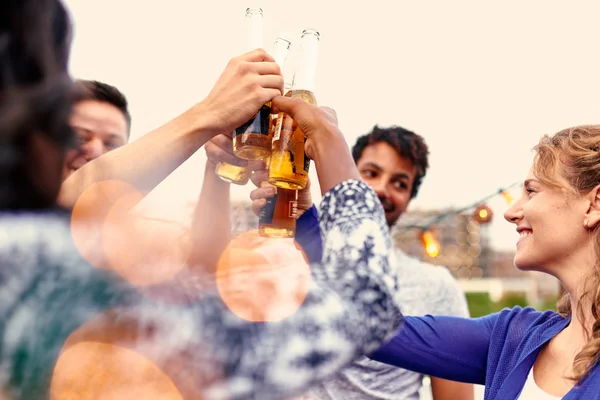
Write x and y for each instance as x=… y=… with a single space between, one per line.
x=483 y=214
x=509 y=199
x=432 y=247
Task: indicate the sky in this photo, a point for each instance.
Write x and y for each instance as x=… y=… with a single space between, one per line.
x=480 y=81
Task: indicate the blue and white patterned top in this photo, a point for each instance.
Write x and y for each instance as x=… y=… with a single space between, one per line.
x=47 y=291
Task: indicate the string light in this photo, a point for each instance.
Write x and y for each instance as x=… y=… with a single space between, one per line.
x=482 y=214
x=431 y=245
x=509 y=199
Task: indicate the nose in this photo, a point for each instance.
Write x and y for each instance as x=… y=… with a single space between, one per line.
x=514 y=214
x=380 y=187
x=93 y=149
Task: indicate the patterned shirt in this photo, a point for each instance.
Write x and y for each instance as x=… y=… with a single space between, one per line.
x=47 y=291
x=423 y=289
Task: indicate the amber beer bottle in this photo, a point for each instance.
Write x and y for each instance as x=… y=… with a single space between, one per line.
x=289 y=164
x=252 y=141
x=228 y=172
x=233 y=173
x=278 y=216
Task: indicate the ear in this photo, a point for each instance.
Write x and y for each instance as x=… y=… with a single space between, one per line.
x=592 y=216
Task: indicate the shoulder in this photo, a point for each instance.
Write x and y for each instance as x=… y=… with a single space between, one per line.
x=435 y=277
x=38 y=247
x=517 y=330
x=528 y=317
x=429 y=289
x=45 y=234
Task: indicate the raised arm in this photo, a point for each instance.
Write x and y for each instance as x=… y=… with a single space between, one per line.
x=248 y=82
x=451 y=348
x=211 y=224
x=203 y=347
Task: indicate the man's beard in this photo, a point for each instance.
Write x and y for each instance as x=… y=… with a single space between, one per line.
x=389 y=207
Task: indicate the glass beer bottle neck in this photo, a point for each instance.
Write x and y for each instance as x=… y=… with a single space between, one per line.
x=305 y=77
x=280 y=50
x=254 y=21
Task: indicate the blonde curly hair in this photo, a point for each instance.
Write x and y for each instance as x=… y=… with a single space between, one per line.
x=574 y=154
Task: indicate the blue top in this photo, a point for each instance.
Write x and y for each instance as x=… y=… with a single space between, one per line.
x=308 y=235
x=497 y=350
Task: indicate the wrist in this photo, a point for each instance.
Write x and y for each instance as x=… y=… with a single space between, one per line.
x=330 y=151
x=210 y=173
x=202 y=120
x=333 y=170
x=211 y=165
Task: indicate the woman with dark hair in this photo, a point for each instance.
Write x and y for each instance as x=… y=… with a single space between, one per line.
x=51 y=300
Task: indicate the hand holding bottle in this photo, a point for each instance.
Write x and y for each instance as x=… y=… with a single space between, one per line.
x=219 y=149
x=247 y=83
x=265 y=190
x=325 y=143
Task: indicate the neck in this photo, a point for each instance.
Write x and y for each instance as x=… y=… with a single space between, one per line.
x=581 y=324
x=575 y=287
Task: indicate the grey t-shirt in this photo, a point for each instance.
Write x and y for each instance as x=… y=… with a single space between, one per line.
x=423 y=289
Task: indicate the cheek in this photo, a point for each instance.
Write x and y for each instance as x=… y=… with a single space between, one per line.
x=401 y=200
x=556 y=232
x=70 y=156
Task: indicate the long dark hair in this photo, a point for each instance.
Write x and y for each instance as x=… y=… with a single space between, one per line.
x=36 y=96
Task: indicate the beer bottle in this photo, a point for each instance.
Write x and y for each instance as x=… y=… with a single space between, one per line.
x=289 y=164
x=252 y=141
x=278 y=217
x=232 y=173
x=228 y=172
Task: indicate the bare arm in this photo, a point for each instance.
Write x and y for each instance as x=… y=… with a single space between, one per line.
x=443 y=389
x=147 y=161
x=248 y=82
x=211 y=225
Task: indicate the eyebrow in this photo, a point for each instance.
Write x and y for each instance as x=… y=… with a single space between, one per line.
x=373 y=165
x=109 y=135
x=116 y=136
x=528 y=182
x=399 y=175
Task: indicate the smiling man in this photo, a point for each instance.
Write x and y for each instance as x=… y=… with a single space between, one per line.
x=393 y=161
x=101 y=121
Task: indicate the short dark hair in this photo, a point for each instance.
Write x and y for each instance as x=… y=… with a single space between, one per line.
x=100 y=91
x=407 y=144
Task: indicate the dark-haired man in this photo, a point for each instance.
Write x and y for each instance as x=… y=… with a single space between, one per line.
x=393 y=161
x=101 y=121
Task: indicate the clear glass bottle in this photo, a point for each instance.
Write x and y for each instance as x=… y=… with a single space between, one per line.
x=289 y=164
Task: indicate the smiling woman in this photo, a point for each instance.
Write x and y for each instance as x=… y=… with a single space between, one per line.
x=517 y=351
x=565 y=201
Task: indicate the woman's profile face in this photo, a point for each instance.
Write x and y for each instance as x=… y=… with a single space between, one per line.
x=549 y=221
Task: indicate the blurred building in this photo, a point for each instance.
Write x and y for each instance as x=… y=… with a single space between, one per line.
x=464 y=245
x=465 y=248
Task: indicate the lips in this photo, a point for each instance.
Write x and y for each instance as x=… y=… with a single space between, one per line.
x=524 y=232
x=387 y=206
